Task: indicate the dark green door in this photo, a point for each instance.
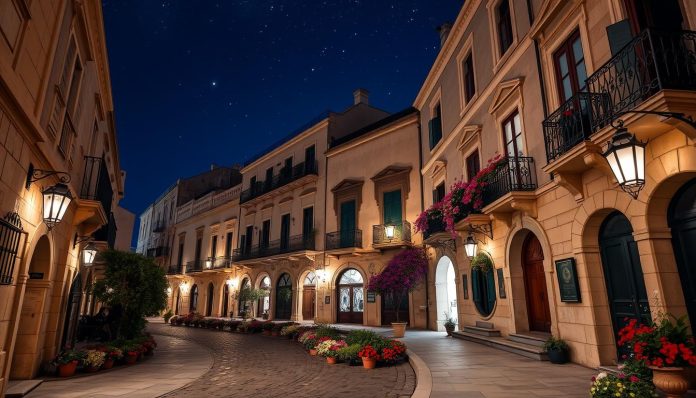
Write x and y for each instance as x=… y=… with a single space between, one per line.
x=348 y=224
x=392 y=208
x=623 y=274
x=682 y=221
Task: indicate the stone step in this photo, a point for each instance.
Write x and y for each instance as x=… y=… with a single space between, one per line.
x=501 y=343
x=534 y=340
x=484 y=325
x=20 y=388
x=481 y=331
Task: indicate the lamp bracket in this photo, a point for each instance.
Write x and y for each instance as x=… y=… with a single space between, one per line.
x=443 y=242
x=34 y=175
x=79 y=239
x=483 y=229
x=675 y=115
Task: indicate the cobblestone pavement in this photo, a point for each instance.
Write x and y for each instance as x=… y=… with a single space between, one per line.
x=251 y=365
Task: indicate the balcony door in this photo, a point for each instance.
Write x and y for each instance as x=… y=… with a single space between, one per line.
x=569 y=63
x=310 y=159
x=265 y=234
x=392 y=208
x=248 y=238
x=514 y=149
x=308 y=225
x=347 y=224
x=660 y=15
x=285 y=232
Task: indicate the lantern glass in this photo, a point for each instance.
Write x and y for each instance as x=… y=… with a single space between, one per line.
x=232 y=283
x=89 y=252
x=626 y=157
x=56 y=200
x=470 y=247
x=209 y=263
x=389 y=231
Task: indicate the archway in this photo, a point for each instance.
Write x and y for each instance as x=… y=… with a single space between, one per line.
x=209 y=299
x=243 y=306
x=31 y=330
x=538 y=312
x=193 y=299
x=72 y=312
x=283 y=302
x=623 y=274
x=350 y=297
x=225 y=300
x=682 y=222
x=264 y=305
x=309 y=296
x=445 y=292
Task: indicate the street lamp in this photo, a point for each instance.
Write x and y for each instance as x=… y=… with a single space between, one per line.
x=89 y=252
x=626 y=157
x=209 y=263
x=231 y=283
x=470 y=246
x=55 y=202
x=389 y=231
x=184 y=287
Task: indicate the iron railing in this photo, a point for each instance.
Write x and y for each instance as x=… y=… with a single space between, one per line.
x=343 y=239
x=512 y=174
x=96 y=184
x=284 y=177
x=651 y=62
x=221 y=262
x=402 y=233
x=175 y=270
x=158 y=251
x=194 y=266
x=280 y=246
x=10 y=235
x=107 y=232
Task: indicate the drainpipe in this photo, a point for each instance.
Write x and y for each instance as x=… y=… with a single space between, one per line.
x=326 y=189
x=422 y=207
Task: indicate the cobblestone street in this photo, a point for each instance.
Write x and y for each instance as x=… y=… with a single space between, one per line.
x=247 y=365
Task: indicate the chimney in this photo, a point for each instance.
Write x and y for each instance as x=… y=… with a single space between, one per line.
x=444 y=31
x=361 y=96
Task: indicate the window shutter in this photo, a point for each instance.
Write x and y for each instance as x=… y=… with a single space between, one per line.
x=619 y=34
x=476 y=287
x=490 y=290
x=392 y=207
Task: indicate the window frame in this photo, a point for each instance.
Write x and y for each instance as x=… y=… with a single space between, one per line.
x=566 y=47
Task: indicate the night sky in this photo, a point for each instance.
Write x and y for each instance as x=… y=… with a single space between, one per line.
x=202 y=82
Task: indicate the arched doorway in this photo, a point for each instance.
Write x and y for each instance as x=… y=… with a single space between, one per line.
x=28 y=350
x=309 y=296
x=177 y=308
x=225 y=300
x=264 y=304
x=623 y=274
x=283 y=302
x=350 y=298
x=445 y=292
x=483 y=291
x=243 y=306
x=682 y=222
x=72 y=312
x=536 y=295
x=193 y=300
x=209 y=299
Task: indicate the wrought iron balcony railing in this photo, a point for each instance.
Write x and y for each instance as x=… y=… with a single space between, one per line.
x=175 y=270
x=651 y=62
x=434 y=226
x=343 y=239
x=107 y=233
x=281 y=246
x=286 y=176
x=513 y=174
x=158 y=251
x=96 y=184
x=194 y=266
x=401 y=233
x=221 y=262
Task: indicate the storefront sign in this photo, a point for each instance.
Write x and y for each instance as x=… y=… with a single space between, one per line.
x=371 y=297
x=327 y=299
x=501 y=283
x=36 y=275
x=568 y=280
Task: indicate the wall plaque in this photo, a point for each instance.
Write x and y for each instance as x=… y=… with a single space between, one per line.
x=465 y=287
x=568 y=280
x=501 y=283
x=371 y=297
x=36 y=275
x=327 y=299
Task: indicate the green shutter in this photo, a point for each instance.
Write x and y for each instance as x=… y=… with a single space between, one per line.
x=475 y=287
x=490 y=290
x=392 y=208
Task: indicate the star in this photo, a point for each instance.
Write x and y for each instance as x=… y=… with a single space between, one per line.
x=213 y=83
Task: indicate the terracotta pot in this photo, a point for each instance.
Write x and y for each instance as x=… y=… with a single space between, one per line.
x=670 y=381
x=275 y=334
x=91 y=369
x=331 y=360
x=449 y=330
x=67 y=369
x=131 y=359
x=313 y=352
x=369 y=363
x=108 y=364
x=399 y=329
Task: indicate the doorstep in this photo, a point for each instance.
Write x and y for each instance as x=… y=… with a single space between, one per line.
x=20 y=388
x=521 y=345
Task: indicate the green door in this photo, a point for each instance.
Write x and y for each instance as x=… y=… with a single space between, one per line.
x=392 y=209
x=348 y=224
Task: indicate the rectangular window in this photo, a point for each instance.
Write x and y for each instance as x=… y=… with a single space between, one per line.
x=307 y=222
x=198 y=250
x=512 y=135
x=392 y=208
x=228 y=245
x=504 y=25
x=435 y=126
x=284 y=231
x=249 y=238
x=569 y=63
x=473 y=165
x=180 y=255
x=213 y=246
x=265 y=233
x=469 y=80
x=439 y=192
x=310 y=159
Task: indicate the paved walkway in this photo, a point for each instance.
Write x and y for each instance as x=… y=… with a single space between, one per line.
x=175 y=364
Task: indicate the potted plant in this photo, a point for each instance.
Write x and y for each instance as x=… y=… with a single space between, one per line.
x=167 y=315
x=267 y=327
x=666 y=347
x=449 y=324
x=349 y=354
x=482 y=262
x=606 y=385
x=404 y=272
x=67 y=361
x=93 y=360
x=329 y=350
x=392 y=351
x=309 y=340
x=369 y=356
x=556 y=349
x=131 y=353
x=113 y=354
x=290 y=331
x=247 y=296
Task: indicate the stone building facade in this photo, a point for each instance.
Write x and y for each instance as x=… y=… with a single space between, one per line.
x=56 y=115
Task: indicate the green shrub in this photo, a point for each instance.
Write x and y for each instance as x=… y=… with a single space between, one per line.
x=167 y=315
x=349 y=353
x=327 y=331
x=362 y=337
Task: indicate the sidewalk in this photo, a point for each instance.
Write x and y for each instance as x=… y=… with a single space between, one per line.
x=175 y=364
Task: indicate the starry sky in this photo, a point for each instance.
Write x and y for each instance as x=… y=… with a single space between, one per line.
x=203 y=82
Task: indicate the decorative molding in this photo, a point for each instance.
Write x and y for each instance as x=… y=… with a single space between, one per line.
x=504 y=91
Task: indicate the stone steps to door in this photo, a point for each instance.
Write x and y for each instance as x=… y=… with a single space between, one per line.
x=504 y=344
x=536 y=339
x=20 y=388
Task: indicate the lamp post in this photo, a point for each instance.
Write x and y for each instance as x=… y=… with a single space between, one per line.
x=626 y=157
x=470 y=246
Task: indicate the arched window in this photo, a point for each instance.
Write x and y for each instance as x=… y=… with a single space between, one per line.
x=283 y=304
x=264 y=302
x=483 y=290
x=193 y=302
x=243 y=306
x=310 y=279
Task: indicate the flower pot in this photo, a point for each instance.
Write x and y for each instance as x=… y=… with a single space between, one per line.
x=670 y=381
x=313 y=352
x=399 y=329
x=108 y=364
x=331 y=360
x=369 y=363
x=91 y=369
x=449 y=330
x=131 y=359
x=67 y=369
x=558 y=356
x=275 y=334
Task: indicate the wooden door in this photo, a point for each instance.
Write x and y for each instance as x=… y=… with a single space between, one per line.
x=623 y=274
x=308 y=302
x=535 y=285
x=682 y=221
x=350 y=297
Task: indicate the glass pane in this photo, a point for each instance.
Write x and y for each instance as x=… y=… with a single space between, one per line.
x=508 y=132
x=518 y=125
x=284 y=280
x=582 y=73
x=519 y=145
x=567 y=88
x=577 y=51
x=265 y=283
x=309 y=279
x=358 y=299
x=563 y=64
x=344 y=299
x=510 y=149
x=351 y=276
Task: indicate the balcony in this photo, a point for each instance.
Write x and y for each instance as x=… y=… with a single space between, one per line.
x=511 y=186
x=107 y=233
x=96 y=195
x=175 y=270
x=293 y=244
x=285 y=177
x=158 y=251
x=348 y=239
x=220 y=262
x=194 y=266
x=401 y=235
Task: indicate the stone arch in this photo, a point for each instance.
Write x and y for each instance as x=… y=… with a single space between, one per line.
x=435 y=254
x=340 y=270
x=446 y=291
